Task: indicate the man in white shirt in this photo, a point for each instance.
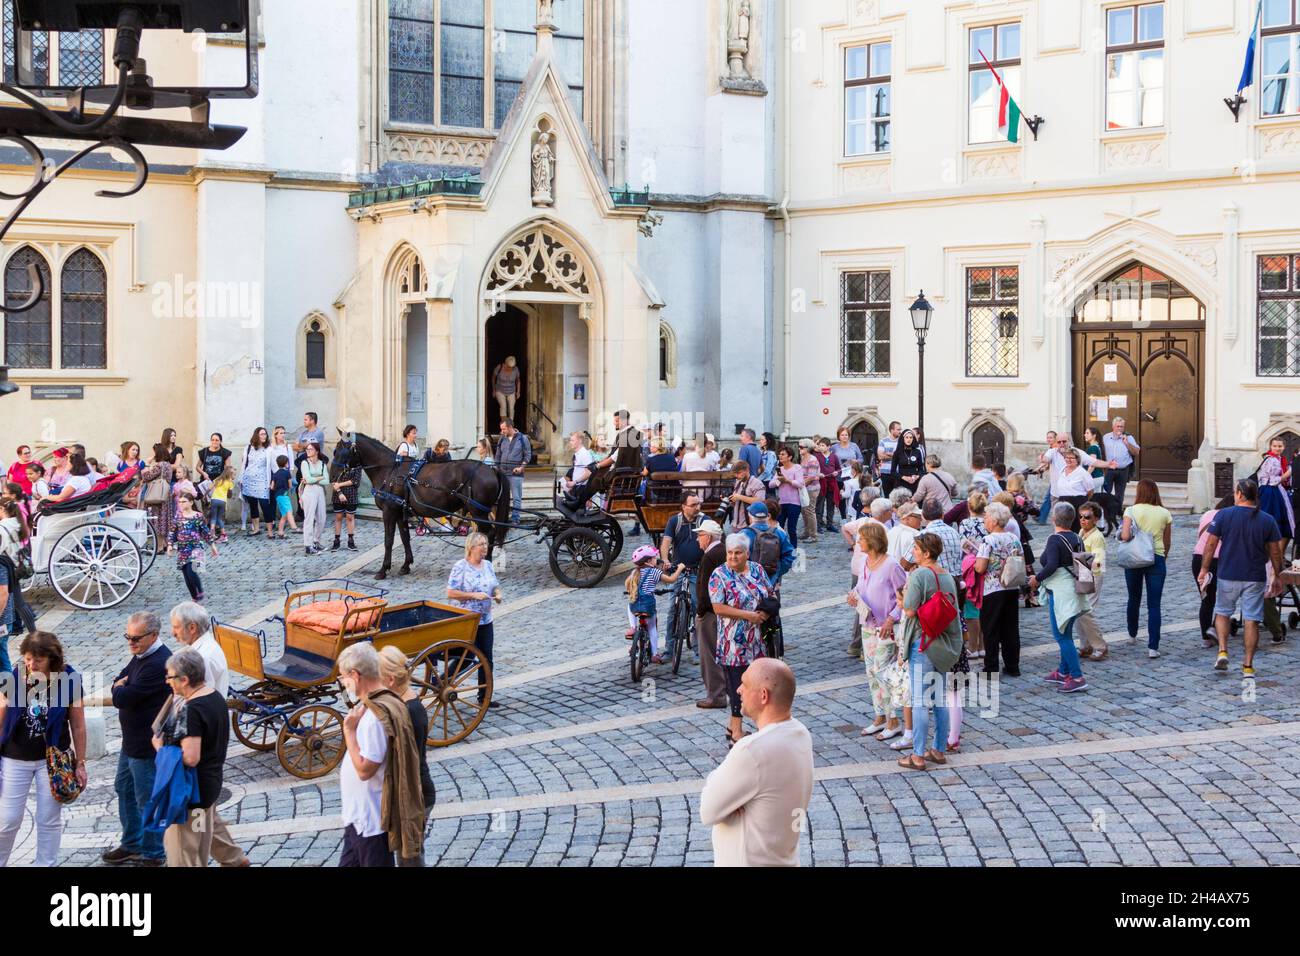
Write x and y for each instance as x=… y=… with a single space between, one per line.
x=757 y=799
x=903 y=535
x=1054 y=458
x=361 y=779
x=192 y=627
x=1120 y=449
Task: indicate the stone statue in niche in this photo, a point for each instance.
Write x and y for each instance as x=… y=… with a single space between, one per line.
x=543 y=171
x=545 y=12
x=738 y=42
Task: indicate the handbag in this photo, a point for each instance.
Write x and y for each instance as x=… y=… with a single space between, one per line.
x=62 y=767
x=1137 y=552
x=1013 y=575
x=804 y=499
x=935 y=614
x=157 y=492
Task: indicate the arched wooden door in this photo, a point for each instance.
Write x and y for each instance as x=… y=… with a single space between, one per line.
x=865 y=437
x=1139 y=340
x=989 y=441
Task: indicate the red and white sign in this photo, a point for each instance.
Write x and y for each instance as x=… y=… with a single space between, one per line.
x=826 y=391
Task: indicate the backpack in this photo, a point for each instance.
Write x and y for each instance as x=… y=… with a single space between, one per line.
x=766 y=550
x=1085 y=581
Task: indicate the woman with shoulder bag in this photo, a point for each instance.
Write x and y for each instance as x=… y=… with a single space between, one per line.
x=999 y=557
x=1147 y=515
x=41 y=716
x=931 y=645
x=1065 y=604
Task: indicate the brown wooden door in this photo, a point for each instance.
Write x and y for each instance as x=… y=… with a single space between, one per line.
x=1151 y=378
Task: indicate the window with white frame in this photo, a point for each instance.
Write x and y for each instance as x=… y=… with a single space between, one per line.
x=75 y=306
x=1280 y=57
x=450 y=62
x=1135 y=66
x=1000 y=44
x=864 y=324
x=993 y=322
x=867 y=98
x=1278 y=314
x=70 y=58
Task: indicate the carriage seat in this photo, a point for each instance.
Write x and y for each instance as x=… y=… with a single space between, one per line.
x=297 y=667
x=332 y=617
x=567 y=507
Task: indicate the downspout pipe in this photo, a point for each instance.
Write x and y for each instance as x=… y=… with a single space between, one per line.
x=784 y=209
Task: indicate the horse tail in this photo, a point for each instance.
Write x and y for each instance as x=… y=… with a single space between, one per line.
x=502 y=508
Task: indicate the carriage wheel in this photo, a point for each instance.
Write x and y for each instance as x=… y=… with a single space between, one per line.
x=95 y=566
x=310 y=743
x=453 y=676
x=256 y=732
x=612 y=532
x=579 y=558
x=149 y=550
x=1293 y=620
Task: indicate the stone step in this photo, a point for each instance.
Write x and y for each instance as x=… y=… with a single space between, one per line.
x=1175 y=497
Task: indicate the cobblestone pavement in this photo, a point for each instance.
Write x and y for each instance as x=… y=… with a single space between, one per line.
x=1161 y=762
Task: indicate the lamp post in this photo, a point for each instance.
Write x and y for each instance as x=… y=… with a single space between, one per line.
x=921 y=311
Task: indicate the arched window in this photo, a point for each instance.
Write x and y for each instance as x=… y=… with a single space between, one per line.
x=27 y=334
x=989 y=441
x=1138 y=293
x=447 y=64
x=315 y=350
x=667 y=356
x=83 y=301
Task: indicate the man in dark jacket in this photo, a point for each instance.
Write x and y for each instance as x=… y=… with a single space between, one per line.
x=138 y=693
x=709 y=537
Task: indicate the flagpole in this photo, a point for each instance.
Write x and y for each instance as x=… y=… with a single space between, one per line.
x=1034 y=123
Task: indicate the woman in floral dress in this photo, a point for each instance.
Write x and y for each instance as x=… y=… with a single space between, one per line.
x=736 y=588
x=875 y=597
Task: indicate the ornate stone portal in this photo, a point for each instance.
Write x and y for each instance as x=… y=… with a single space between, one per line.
x=538 y=262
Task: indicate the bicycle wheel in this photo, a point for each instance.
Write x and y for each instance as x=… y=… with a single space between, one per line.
x=679 y=633
x=637 y=652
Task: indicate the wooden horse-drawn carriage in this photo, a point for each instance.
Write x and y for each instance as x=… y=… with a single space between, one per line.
x=292 y=706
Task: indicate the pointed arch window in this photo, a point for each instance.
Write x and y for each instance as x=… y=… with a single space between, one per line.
x=83 y=312
x=28 y=335
x=667 y=356
x=461 y=63
x=315 y=346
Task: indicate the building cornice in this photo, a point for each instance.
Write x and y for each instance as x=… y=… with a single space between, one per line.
x=680 y=202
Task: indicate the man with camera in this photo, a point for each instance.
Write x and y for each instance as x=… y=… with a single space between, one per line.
x=1119 y=449
x=679 y=545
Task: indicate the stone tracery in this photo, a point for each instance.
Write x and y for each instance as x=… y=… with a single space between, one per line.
x=538 y=261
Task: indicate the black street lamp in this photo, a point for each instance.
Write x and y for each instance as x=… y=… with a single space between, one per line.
x=921 y=312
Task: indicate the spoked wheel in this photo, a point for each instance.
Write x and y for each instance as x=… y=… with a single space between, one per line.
x=310 y=743
x=637 y=653
x=454 y=675
x=255 y=731
x=580 y=557
x=149 y=550
x=612 y=532
x=680 y=632
x=1293 y=620
x=95 y=566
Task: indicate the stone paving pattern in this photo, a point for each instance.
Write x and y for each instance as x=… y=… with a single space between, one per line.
x=1083 y=792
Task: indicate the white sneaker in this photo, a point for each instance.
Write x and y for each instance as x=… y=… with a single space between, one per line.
x=902 y=743
x=1152 y=654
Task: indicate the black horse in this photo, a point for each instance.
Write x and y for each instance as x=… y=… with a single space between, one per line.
x=464 y=487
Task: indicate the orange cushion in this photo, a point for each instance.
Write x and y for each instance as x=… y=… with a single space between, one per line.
x=326 y=617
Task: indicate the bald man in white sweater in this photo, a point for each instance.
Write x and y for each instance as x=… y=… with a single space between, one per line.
x=757 y=800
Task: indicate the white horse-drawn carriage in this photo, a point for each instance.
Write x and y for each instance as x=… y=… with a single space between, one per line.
x=93 y=550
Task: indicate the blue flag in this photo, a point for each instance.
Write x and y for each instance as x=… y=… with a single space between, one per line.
x=1248 y=69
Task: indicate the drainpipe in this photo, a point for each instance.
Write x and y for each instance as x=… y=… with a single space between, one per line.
x=785 y=219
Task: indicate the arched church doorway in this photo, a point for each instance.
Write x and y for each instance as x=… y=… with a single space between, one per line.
x=1139 y=345
x=506 y=337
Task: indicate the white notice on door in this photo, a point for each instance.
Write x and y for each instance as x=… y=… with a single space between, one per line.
x=1111 y=373
x=1119 y=401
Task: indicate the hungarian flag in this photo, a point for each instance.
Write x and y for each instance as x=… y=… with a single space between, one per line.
x=1008 y=108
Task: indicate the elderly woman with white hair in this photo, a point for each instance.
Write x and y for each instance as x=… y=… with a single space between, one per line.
x=473 y=585
x=1000 y=611
x=736 y=589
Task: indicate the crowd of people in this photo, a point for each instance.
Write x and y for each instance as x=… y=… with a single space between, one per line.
x=939 y=578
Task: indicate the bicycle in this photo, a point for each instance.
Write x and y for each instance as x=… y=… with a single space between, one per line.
x=639 y=651
x=681 y=628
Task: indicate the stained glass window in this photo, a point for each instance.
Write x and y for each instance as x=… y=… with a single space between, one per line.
x=410 y=61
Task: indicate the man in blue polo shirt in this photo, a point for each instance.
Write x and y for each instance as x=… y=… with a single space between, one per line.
x=1251 y=541
x=749 y=452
